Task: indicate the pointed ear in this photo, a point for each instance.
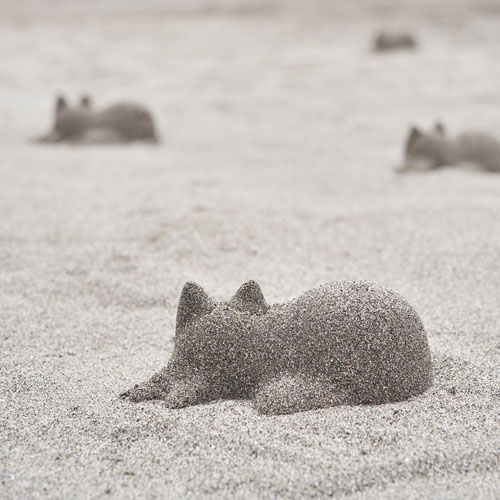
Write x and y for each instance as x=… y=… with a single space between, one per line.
x=194 y=303
x=412 y=136
x=249 y=298
x=439 y=128
x=60 y=104
x=85 y=102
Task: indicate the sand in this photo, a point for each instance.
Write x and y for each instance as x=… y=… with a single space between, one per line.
x=281 y=131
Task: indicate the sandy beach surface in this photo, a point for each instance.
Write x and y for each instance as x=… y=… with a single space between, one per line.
x=280 y=132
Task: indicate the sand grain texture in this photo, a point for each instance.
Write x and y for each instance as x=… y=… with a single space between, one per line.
x=281 y=130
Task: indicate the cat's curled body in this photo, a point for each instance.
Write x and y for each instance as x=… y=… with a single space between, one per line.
x=341 y=343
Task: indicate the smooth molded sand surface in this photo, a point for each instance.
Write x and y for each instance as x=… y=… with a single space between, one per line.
x=280 y=133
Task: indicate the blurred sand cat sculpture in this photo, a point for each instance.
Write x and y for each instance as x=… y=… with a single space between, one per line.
x=431 y=150
x=119 y=123
x=343 y=343
x=385 y=42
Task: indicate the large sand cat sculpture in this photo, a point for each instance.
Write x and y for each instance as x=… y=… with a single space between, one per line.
x=341 y=343
x=119 y=123
x=426 y=151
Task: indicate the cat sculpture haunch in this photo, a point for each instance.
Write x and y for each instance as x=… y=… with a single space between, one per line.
x=119 y=123
x=344 y=343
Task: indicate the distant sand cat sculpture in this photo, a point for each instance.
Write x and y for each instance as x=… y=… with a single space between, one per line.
x=344 y=343
x=385 y=42
x=119 y=123
x=426 y=151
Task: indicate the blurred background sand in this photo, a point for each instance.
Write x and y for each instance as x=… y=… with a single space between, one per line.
x=280 y=134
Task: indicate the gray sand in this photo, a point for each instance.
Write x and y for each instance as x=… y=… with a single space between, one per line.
x=277 y=167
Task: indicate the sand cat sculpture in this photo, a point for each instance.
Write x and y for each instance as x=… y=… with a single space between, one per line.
x=426 y=151
x=385 y=42
x=341 y=343
x=119 y=123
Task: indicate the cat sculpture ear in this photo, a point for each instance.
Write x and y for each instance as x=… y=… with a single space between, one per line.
x=60 y=104
x=439 y=128
x=414 y=134
x=249 y=298
x=85 y=102
x=194 y=303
